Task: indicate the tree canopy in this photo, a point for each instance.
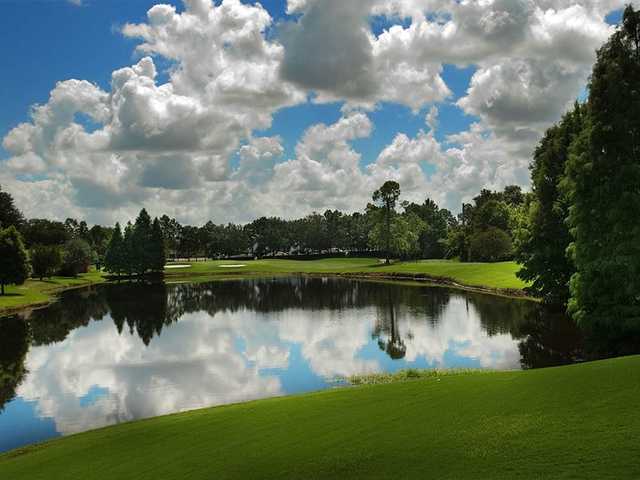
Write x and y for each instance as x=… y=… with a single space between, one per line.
x=141 y=249
x=542 y=245
x=603 y=174
x=14 y=259
x=46 y=260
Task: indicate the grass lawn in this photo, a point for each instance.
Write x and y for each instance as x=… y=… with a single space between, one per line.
x=493 y=275
x=575 y=422
x=35 y=292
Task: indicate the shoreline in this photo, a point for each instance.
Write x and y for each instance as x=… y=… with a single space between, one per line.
x=53 y=294
x=420 y=278
x=186 y=276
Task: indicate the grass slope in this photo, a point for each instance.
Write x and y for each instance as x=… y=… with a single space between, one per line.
x=575 y=422
x=35 y=292
x=493 y=275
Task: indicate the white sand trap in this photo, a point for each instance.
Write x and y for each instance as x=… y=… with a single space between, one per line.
x=239 y=265
x=177 y=266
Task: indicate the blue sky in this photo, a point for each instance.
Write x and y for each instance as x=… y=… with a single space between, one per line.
x=403 y=80
x=54 y=54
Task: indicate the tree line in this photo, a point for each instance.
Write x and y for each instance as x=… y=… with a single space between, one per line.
x=406 y=230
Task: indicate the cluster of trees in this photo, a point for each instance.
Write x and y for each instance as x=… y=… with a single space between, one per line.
x=47 y=247
x=580 y=245
x=17 y=262
x=486 y=230
x=139 y=250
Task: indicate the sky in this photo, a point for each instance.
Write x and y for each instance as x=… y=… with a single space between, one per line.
x=231 y=110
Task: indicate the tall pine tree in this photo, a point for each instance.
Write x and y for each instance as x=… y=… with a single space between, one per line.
x=603 y=175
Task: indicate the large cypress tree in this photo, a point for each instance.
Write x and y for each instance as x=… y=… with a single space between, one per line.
x=542 y=247
x=603 y=179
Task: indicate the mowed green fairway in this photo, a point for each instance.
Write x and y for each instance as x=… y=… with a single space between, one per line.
x=492 y=275
x=575 y=422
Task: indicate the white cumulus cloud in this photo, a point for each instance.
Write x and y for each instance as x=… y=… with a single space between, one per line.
x=192 y=145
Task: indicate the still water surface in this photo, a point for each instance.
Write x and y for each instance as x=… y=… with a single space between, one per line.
x=122 y=352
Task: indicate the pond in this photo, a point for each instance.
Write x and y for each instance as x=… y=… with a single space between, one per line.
x=116 y=353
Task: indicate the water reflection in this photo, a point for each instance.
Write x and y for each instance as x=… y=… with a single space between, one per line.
x=122 y=352
x=14 y=345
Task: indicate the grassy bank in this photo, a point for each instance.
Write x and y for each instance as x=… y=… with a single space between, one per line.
x=491 y=275
x=576 y=422
x=36 y=292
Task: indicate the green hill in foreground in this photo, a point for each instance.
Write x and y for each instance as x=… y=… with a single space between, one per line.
x=579 y=422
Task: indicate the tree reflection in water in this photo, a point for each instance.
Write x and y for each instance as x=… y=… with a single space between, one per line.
x=15 y=336
x=387 y=323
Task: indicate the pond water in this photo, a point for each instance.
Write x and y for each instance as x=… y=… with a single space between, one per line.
x=116 y=353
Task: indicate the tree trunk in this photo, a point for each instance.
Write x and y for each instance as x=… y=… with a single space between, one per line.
x=388 y=234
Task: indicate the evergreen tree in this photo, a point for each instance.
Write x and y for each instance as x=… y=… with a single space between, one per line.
x=114 y=257
x=542 y=244
x=142 y=232
x=603 y=175
x=14 y=259
x=157 y=248
x=128 y=250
